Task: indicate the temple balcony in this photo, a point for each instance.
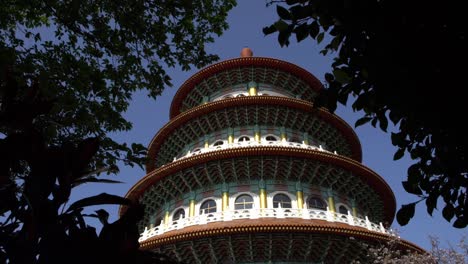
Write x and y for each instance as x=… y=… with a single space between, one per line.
x=257 y=213
x=243 y=144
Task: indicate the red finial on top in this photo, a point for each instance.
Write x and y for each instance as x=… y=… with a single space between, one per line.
x=246 y=52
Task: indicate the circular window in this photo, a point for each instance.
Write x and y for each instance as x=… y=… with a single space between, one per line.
x=316 y=203
x=281 y=200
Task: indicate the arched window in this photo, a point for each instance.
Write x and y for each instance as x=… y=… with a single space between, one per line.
x=243 y=139
x=281 y=200
x=196 y=150
x=342 y=209
x=271 y=138
x=158 y=221
x=240 y=95
x=243 y=201
x=265 y=94
x=208 y=206
x=179 y=214
x=316 y=203
x=227 y=96
x=218 y=143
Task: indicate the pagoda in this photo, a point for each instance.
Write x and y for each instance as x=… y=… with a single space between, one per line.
x=248 y=171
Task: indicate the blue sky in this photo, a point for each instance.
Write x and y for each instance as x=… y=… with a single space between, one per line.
x=246 y=23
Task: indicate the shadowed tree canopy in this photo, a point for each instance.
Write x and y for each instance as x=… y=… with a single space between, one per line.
x=68 y=70
x=90 y=56
x=402 y=62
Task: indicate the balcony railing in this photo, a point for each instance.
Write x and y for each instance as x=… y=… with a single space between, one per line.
x=252 y=143
x=233 y=215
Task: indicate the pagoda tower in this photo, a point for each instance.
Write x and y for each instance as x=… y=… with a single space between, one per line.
x=248 y=171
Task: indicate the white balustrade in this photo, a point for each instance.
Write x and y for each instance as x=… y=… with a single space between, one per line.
x=351 y=220
x=251 y=143
x=233 y=215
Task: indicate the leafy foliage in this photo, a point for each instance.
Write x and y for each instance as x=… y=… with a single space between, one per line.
x=36 y=180
x=402 y=65
x=89 y=57
x=390 y=253
x=68 y=70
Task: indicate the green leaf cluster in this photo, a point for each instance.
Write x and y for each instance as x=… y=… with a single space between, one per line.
x=36 y=180
x=404 y=66
x=89 y=58
x=68 y=70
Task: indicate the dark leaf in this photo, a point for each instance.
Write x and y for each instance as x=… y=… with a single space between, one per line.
x=100 y=199
x=448 y=212
x=314 y=29
x=460 y=223
x=414 y=173
x=341 y=76
x=270 y=29
x=405 y=213
x=335 y=43
x=399 y=154
x=412 y=188
x=332 y=96
x=320 y=37
x=326 y=21
x=374 y=121
x=425 y=183
x=85 y=152
x=298 y=12
x=398 y=139
x=361 y=101
x=431 y=203
x=283 y=38
x=332 y=106
x=414 y=153
x=361 y=121
x=302 y=31
x=454 y=196
x=383 y=122
x=394 y=117
x=343 y=98
x=461 y=198
x=283 y=13
x=280 y=26
x=329 y=77
x=103 y=216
